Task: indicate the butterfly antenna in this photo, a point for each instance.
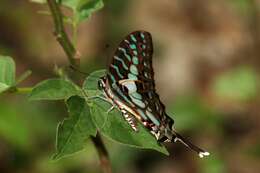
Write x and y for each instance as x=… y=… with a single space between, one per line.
x=107 y=47
x=187 y=143
x=78 y=70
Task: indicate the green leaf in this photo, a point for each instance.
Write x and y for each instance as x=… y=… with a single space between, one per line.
x=3 y=87
x=7 y=72
x=238 y=84
x=87 y=7
x=113 y=125
x=54 y=89
x=83 y=8
x=74 y=131
x=90 y=85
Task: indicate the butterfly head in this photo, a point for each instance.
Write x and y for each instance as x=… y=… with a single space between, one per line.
x=102 y=83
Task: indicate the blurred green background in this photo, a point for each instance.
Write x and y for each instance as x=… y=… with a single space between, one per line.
x=206 y=62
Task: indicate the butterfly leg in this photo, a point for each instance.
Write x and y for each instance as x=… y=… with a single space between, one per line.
x=104 y=99
x=111 y=108
x=98 y=97
x=130 y=119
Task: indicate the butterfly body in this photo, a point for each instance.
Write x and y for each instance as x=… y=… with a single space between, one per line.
x=129 y=85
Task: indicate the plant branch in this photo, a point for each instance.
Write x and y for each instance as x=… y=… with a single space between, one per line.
x=22 y=90
x=102 y=152
x=70 y=51
x=25 y=90
x=61 y=35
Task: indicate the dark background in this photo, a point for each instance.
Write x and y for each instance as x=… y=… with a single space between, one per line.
x=206 y=62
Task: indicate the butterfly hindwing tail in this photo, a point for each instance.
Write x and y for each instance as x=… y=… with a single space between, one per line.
x=177 y=137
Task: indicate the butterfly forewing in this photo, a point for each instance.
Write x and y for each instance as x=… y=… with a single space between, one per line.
x=131 y=56
x=131 y=77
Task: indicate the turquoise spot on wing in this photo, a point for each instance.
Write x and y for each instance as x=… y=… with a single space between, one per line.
x=131 y=76
x=142 y=114
x=112 y=77
x=135 y=52
x=131 y=86
x=143 y=53
x=121 y=94
x=122 y=62
x=136 y=95
x=117 y=71
x=133 y=38
x=143 y=46
x=137 y=102
x=133 y=69
x=126 y=55
x=142 y=35
x=135 y=60
x=152 y=118
x=132 y=46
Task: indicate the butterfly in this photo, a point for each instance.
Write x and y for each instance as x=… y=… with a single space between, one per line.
x=130 y=87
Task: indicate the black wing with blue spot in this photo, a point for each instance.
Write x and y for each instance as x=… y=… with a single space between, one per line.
x=131 y=76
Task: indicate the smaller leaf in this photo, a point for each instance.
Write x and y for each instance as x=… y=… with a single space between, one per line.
x=3 y=87
x=98 y=112
x=83 y=8
x=7 y=72
x=74 y=131
x=54 y=89
x=86 y=8
x=90 y=85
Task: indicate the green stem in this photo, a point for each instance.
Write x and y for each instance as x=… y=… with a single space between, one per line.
x=75 y=31
x=61 y=35
x=24 y=76
x=25 y=90
x=103 y=154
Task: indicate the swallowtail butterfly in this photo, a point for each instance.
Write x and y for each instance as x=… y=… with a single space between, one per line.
x=129 y=86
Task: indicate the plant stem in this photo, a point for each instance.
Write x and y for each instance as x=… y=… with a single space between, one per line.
x=24 y=76
x=24 y=90
x=75 y=31
x=61 y=35
x=102 y=152
x=70 y=51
